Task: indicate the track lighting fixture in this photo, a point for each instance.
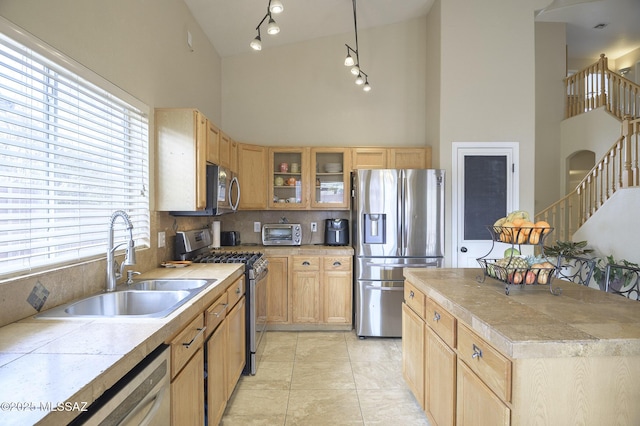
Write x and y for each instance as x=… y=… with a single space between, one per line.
x=362 y=78
x=275 y=7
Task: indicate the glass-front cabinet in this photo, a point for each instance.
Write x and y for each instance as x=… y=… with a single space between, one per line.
x=289 y=175
x=330 y=178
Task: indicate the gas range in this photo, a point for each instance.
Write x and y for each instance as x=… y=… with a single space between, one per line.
x=255 y=263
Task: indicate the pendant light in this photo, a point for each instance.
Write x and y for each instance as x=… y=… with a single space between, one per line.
x=275 y=7
x=362 y=78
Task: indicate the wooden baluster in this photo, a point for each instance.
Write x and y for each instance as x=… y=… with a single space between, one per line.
x=604 y=67
x=626 y=177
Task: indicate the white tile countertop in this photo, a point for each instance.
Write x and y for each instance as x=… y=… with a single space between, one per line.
x=69 y=363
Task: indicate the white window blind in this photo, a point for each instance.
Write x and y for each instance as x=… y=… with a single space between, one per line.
x=71 y=153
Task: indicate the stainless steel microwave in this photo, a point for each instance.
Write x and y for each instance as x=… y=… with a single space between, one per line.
x=223 y=193
x=282 y=234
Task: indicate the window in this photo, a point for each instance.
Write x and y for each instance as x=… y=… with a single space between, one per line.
x=73 y=149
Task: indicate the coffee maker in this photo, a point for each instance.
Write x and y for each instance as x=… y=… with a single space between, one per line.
x=336 y=232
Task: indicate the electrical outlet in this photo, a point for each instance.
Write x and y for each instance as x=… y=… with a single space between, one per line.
x=162 y=239
x=256 y=226
x=314 y=227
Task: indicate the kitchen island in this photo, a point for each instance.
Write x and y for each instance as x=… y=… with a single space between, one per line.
x=473 y=355
x=46 y=362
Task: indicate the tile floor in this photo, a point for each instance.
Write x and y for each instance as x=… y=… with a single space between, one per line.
x=325 y=378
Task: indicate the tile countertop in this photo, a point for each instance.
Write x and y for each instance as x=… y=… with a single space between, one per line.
x=75 y=360
x=531 y=322
x=307 y=249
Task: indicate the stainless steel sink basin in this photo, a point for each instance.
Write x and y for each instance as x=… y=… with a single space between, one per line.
x=129 y=302
x=153 y=298
x=170 y=285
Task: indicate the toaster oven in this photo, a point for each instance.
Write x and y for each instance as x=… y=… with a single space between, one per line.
x=282 y=234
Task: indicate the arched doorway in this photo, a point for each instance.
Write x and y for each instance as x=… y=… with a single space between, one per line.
x=578 y=165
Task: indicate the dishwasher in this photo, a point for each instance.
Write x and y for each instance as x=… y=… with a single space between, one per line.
x=141 y=397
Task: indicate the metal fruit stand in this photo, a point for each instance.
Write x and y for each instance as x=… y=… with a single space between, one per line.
x=512 y=271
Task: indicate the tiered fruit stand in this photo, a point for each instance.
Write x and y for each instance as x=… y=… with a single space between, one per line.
x=512 y=270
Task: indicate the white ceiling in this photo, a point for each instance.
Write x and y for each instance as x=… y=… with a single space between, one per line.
x=231 y=24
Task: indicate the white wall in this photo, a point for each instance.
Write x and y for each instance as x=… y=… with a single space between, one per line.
x=487 y=83
x=302 y=94
x=617 y=220
x=550 y=51
x=138 y=45
x=595 y=131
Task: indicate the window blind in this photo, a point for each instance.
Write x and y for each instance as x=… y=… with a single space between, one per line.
x=71 y=153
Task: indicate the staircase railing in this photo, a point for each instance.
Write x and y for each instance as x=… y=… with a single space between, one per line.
x=618 y=168
x=596 y=86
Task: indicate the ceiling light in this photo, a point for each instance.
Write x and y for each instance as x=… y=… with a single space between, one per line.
x=348 y=61
x=275 y=6
x=256 y=43
x=272 y=27
x=355 y=63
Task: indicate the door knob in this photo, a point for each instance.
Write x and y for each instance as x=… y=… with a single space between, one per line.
x=463 y=249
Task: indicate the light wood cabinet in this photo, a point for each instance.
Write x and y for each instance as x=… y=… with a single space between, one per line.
x=236 y=344
x=228 y=152
x=337 y=290
x=187 y=374
x=440 y=380
x=277 y=291
x=330 y=178
x=182 y=143
x=477 y=405
x=305 y=289
x=390 y=158
x=252 y=175
x=288 y=178
x=216 y=370
x=213 y=143
x=413 y=352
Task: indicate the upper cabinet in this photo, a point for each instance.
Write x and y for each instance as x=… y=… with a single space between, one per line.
x=390 y=158
x=252 y=176
x=182 y=140
x=228 y=152
x=288 y=179
x=330 y=178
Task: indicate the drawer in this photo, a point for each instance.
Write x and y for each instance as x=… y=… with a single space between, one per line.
x=235 y=292
x=216 y=314
x=414 y=298
x=306 y=263
x=489 y=365
x=337 y=263
x=441 y=321
x=186 y=344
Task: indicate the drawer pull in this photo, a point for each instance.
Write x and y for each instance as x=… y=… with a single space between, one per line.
x=411 y=294
x=436 y=316
x=336 y=263
x=238 y=290
x=305 y=263
x=200 y=331
x=477 y=352
x=224 y=308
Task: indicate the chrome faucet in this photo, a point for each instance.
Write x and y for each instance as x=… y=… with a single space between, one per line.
x=113 y=274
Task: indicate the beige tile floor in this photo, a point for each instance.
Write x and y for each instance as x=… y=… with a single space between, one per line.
x=325 y=378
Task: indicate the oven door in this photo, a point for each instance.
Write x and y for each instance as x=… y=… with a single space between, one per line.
x=257 y=322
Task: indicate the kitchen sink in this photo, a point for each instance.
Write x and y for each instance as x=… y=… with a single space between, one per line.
x=170 y=285
x=155 y=298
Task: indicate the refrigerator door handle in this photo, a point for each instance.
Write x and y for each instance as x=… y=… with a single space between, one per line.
x=403 y=220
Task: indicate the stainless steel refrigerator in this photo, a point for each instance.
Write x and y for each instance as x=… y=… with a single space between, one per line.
x=397 y=221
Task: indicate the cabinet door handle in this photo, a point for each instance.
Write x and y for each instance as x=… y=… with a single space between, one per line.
x=223 y=308
x=200 y=331
x=477 y=352
x=305 y=263
x=436 y=316
x=336 y=263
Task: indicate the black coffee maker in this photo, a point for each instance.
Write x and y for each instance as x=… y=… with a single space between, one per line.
x=336 y=232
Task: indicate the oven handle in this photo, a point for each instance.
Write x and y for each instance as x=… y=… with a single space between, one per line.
x=262 y=275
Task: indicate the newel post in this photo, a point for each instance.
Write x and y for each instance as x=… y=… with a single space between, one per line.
x=627 y=173
x=604 y=68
